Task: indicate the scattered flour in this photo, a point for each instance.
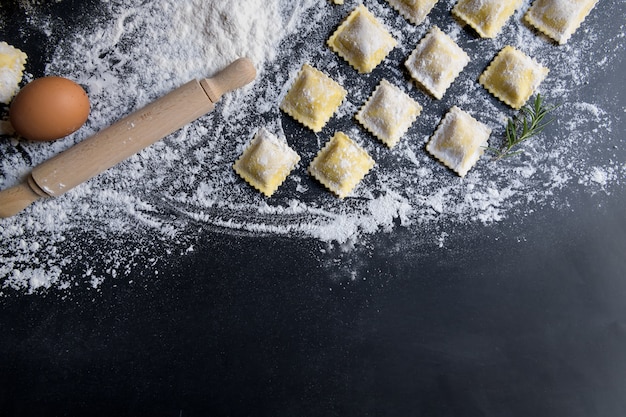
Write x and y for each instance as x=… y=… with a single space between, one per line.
x=167 y=195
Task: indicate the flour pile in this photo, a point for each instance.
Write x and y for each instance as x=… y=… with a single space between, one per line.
x=184 y=186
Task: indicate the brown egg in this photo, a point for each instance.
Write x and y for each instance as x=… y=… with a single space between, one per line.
x=49 y=108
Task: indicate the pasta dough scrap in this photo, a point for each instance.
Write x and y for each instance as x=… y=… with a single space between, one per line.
x=266 y=162
x=313 y=98
x=559 y=19
x=338 y=1
x=436 y=62
x=12 y=62
x=388 y=113
x=415 y=11
x=341 y=165
x=362 y=40
x=513 y=76
x=459 y=141
x=486 y=16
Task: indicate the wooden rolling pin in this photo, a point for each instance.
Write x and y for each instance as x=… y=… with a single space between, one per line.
x=125 y=138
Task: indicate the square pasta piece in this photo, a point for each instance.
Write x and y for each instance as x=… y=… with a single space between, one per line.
x=313 y=98
x=415 y=11
x=559 y=19
x=436 y=62
x=388 y=113
x=266 y=162
x=459 y=141
x=362 y=40
x=341 y=164
x=486 y=16
x=12 y=62
x=513 y=76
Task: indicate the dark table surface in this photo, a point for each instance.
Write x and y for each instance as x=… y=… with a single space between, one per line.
x=528 y=320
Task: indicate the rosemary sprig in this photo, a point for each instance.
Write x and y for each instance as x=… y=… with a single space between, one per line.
x=529 y=122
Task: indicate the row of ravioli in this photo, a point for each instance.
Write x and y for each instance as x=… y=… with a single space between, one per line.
x=558 y=19
x=362 y=40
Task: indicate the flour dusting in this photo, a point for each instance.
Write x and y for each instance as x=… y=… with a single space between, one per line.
x=184 y=186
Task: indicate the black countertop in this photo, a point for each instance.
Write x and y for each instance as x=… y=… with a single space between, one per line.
x=527 y=319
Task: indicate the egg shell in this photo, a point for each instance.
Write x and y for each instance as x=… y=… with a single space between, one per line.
x=49 y=108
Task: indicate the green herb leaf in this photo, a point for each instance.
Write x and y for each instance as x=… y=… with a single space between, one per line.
x=530 y=122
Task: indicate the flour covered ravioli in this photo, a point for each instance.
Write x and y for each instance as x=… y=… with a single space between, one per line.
x=341 y=165
x=513 y=76
x=362 y=40
x=388 y=113
x=559 y=19
x=459 y=141
x=313 y=98
x=12 y=62
x=436 y=62
x=415 y=11
x=266 y=162
x=486 y=16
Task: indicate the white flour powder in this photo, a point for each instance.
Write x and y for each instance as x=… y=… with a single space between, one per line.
x=183 y=186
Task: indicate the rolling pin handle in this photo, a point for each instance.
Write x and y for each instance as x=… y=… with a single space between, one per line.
x=17 y=198
x=234 y=76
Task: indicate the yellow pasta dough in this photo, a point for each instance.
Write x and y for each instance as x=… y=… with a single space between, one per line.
x=436 y=62
x=362 y=40
x=459 y=141
x=313 y=98
x=486 y=16
x=266 y=162
x=12 y=62
x=415 y=11
x=513 y=77
x=559 y=19
x=341 y=165
x=388 y=113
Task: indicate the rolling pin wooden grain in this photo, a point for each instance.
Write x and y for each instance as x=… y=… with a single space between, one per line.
x=125 y=138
